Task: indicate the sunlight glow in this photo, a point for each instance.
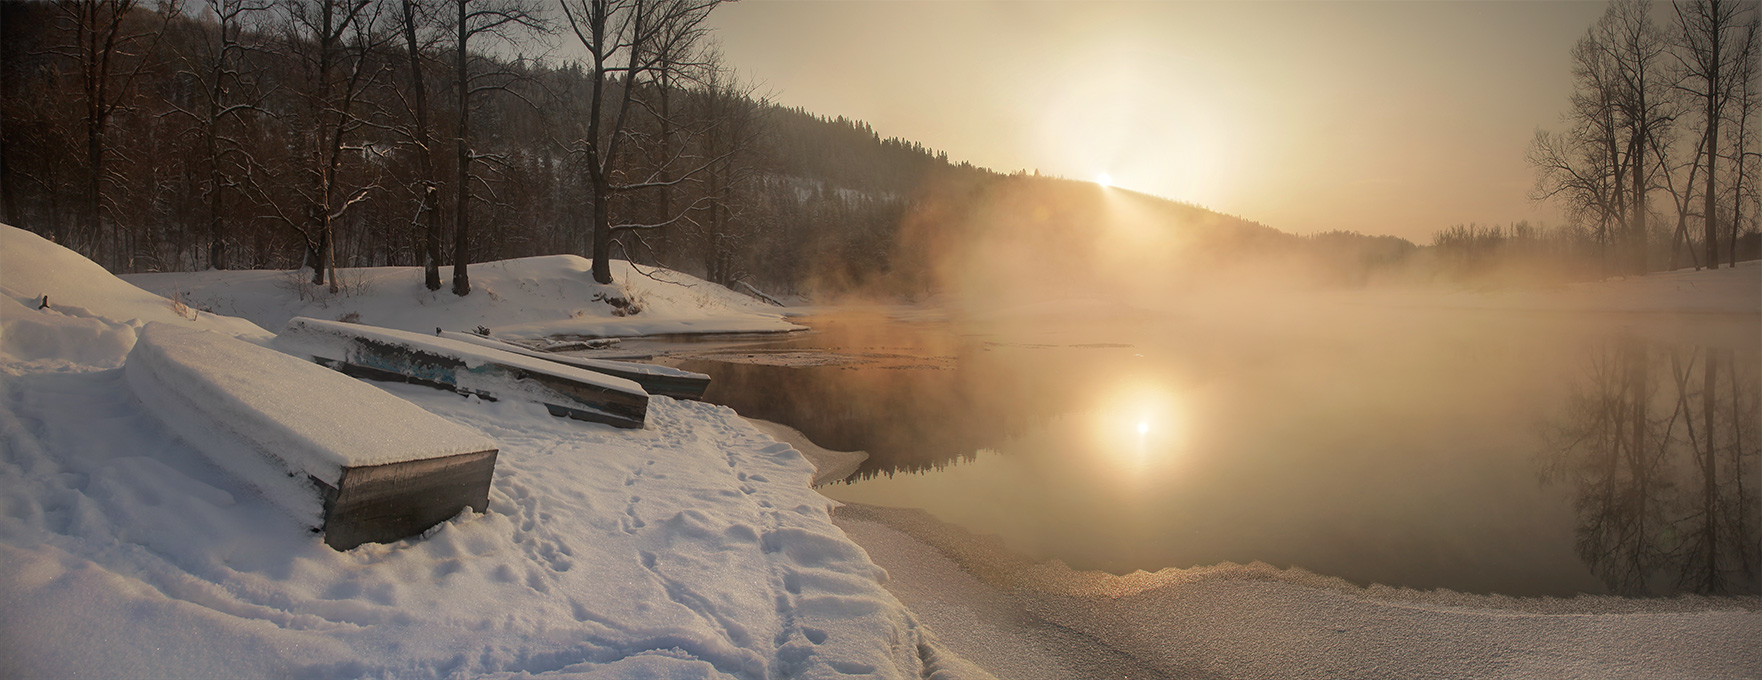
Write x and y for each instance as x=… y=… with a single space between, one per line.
x=1121 y=427
x=1105 y=180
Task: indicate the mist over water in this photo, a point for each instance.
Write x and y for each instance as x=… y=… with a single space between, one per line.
x=1468 y=450
x=1126 y=383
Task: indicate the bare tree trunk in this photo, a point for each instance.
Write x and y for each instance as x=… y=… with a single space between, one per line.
x=424 y=155
x=1679 y=240
x=462 y=213
x=1747 y=101
x=595 y=39
x=211 y=144
x=602 y=230
x=1637 y=228
x=666 y=176
x=1610 y=249
x=1714 y=62
x=322 y=182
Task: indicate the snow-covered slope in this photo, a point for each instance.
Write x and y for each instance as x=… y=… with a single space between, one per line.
x=531 y=297
x=91 y=318
x=690 y=549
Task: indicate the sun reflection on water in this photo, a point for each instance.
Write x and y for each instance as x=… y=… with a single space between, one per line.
x=1138 y=426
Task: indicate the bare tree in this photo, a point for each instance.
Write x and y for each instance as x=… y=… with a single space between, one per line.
x=1638 y=48
x=1585 y=167
x=624 y=40
x=227 y=93
x=428 y=192
x=1747 y=100
x=110 y=49
x=332 y=41
x=477 y=19
x=719 y=234
x=1709 y=47
x=1621 y=117
x=1683 y=196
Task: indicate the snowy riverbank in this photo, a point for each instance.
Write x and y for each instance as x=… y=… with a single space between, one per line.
x=526 y=298
x=692 y=548
x=1026 y=620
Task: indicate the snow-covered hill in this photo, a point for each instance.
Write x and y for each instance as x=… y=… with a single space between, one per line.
x=690 y=549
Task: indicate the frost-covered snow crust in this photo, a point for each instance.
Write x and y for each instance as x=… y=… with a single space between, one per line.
x=272 y=419
x=690 y=549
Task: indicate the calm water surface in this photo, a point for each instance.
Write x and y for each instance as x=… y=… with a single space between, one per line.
x=1524 y=454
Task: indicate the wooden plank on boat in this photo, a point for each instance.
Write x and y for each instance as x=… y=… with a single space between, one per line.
x=665 y=380
x=394 y=355
x=385 y=503
x=353 y=461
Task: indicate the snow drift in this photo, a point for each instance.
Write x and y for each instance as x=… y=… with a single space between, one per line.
x=90 y=317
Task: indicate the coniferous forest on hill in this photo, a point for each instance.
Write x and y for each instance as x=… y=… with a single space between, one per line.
x=326 y=134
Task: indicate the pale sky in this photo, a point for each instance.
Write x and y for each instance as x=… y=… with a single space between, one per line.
x=1381 y=117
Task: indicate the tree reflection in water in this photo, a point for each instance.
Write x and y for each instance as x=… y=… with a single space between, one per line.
x=1658 y=447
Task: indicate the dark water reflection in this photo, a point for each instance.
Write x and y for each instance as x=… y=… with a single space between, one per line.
x=1480 y=452
x=1657 y=447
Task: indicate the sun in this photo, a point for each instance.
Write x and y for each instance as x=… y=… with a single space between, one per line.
x=1104 y=179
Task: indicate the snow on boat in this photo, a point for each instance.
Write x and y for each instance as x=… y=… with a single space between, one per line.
x=664 y=380
x=401 y=356
x=357 y=463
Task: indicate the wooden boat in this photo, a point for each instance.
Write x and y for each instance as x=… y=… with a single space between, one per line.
x=664 y=380
x=388 y=354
